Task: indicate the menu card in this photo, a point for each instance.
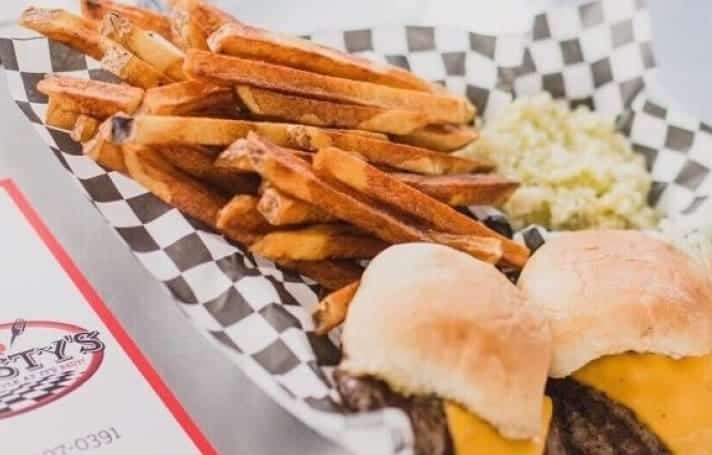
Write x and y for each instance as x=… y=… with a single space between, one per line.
x=71 y=380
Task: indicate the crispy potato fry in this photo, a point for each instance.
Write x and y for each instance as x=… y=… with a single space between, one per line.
x=249 y=42
x=149 y=46
x=274 y=105
x=84 y=128
x=463 y=190
x=241 y=213
x=172 y=186
x=157 y=130
x=237 y=156
x=109 y=155
x=443 y=138
x=142 y=17
x=332 y=310
x=237 y=71
x=127 y=67
x=318 y=242
x=296 y=177
x=64 y=27
x=283 y=210
x=331 y=275
x=361 y=176
x=193 y=21
x=93 y=98
x=188 y=97
x=59 y=117
x=199 y=163
x=398 y=156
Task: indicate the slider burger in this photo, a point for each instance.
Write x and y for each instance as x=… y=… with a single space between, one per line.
x=631 y=322
x=450 y=341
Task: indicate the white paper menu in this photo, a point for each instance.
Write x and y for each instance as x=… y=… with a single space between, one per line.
x=71 y=379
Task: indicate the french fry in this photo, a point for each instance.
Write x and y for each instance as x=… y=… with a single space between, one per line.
x=172 y=186
x=59 y=117
x=93 y=98
x=241 y=213
x=193 y=21
x=188 y=97
x=109 y=155
x=296 y=177
x=237 y=157
x=150 y=47
x=66 y=28
x=310 y=111
x=367 y=179
x=463 y=190
x=318 y=242
x=332 y=310
x=237 y=71
x=142 y=17
x=84 y=128
x=249 y=42
x=283 y=210
x=398 y=156
x=199 y=163
x=127 y=67
x=330 y=275
x=444 y=138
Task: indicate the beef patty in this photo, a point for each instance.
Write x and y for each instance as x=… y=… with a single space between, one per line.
x=585 y=421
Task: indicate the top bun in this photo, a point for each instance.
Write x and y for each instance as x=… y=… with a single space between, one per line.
x=609 y=292
x=428 y=319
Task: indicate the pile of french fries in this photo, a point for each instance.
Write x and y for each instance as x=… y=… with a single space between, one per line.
x=310 y=157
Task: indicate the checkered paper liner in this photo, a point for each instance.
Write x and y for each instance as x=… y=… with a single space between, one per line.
x=598 y=54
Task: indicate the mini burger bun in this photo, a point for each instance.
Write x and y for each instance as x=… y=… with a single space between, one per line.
x=428 y=319
x=610 y=292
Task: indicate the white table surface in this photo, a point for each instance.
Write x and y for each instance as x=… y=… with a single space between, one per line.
x=234 y=414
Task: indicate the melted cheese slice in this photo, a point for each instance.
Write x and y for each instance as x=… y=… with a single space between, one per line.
x=473 y=436
x=672 y=397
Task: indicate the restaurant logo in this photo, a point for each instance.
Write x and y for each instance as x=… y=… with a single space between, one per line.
x=43 y=361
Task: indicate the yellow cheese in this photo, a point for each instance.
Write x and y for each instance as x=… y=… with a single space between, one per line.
x=672 y=397
x=473 y=436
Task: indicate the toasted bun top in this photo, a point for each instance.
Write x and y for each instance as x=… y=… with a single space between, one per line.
x=428 y=319
x=609 y=292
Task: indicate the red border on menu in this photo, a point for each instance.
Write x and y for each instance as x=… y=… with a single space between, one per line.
x=100 y=308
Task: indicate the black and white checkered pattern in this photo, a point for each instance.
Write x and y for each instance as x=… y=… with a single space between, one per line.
x=598 y=54
x=33 y=392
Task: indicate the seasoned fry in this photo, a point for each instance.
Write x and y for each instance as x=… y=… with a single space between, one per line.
x=84 y=128
x=241 y=213
x=330 y=275
x=200 y=164
x=236 y=71
x=249 y=42
x=130 y=68
x=318 y=242
x=283 y=210
x=444 y=138
x=59 y=117
x=142 y=17
x=296 y=177
x=332 y=310
x=361 y=176
x=399 y=156
x=188 y=97
x=150 y=47
x=463 y=190
x=64 y=27
x=273 y=105
x=193 y=21
x=486 y=249
x=109 y=155
x=93 y=98
x=172 y=186
x=237 y=157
